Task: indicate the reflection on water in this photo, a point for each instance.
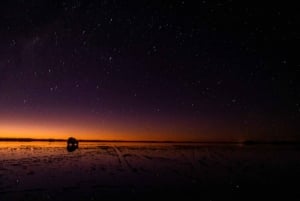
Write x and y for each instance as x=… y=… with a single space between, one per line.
x=17 y=144
x=106 y=168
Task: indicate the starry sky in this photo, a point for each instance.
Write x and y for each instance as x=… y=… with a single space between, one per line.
x=149 y=70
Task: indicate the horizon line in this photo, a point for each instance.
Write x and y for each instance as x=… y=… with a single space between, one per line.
x=247 y=142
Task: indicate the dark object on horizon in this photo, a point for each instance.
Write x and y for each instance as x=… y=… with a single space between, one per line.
x=72 y=144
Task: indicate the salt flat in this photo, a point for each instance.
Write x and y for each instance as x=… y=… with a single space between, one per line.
x=147 y=171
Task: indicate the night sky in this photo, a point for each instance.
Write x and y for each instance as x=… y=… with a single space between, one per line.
x=149 y=70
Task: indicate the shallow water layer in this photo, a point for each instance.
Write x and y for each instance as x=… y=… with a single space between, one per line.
x=147 y=171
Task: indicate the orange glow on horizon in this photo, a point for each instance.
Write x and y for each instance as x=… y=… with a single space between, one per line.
x=25 y=130
x=11 y=130
x=110 y=129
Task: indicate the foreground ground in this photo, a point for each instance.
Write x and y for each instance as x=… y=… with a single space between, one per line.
x=132 y=171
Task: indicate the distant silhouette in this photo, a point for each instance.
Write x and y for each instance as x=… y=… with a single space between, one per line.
x=72 y=144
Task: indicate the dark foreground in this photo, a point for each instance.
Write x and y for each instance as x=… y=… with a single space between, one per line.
x=141 y=171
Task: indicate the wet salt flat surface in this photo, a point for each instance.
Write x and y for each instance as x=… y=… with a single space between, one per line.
x=141 y=171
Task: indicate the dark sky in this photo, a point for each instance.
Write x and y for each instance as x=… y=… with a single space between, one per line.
x=189 y=70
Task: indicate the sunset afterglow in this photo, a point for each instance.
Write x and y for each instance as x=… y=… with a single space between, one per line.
x=114 y=71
